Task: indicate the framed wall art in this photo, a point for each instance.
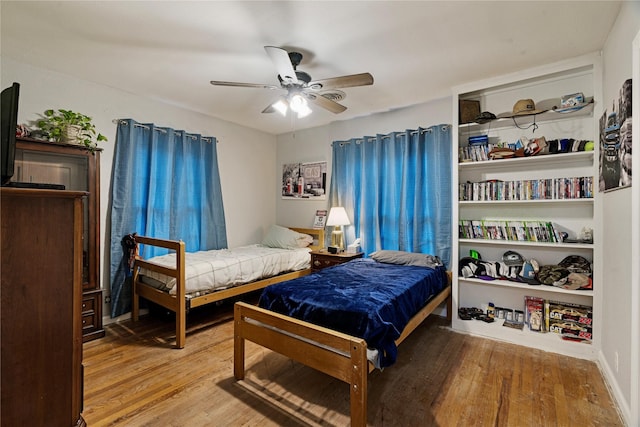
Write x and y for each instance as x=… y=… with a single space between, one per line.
x=304 y=181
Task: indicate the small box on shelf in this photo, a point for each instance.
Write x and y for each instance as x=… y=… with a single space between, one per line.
x=469 y=111
x=534 y=313
x=568 y=312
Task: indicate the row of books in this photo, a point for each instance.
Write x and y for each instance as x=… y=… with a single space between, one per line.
x=524 y=231
x=533 y=189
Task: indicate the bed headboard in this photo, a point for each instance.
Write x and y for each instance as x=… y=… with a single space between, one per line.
x=317 y=234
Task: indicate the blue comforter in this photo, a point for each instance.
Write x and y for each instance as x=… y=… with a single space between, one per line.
x=363 y=298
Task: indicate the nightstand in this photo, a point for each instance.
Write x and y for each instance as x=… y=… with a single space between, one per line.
x=322 y=259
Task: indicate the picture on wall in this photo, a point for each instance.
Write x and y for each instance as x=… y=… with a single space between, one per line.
x=615 y=142
x=304 y=181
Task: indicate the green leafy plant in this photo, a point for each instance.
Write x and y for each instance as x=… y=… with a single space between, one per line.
x=61 y=124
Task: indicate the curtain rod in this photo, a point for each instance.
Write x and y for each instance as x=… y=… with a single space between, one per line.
x=192 y=136
x=388 y=135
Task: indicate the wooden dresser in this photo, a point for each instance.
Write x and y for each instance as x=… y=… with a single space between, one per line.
x=41 y=303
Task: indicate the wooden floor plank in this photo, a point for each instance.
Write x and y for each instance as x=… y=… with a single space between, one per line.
x=133 y=377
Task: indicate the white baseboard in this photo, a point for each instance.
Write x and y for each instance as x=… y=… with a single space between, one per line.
x=614 y=389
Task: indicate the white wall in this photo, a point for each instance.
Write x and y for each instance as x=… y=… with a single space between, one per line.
x=617 y=304
x=246 y=157
x=315 y=145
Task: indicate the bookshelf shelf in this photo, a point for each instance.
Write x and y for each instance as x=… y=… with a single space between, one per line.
x=584 y=200
x=579 y=157
x=543 y=341
x=516 y=285
x=508 y=123
x=561 y=246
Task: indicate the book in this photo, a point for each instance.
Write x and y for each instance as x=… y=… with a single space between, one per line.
x=320 y=219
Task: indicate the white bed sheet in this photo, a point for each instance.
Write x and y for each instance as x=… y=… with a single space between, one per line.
x=207 y=271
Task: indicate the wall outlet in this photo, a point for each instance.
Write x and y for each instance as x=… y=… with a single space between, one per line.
x=107 y=299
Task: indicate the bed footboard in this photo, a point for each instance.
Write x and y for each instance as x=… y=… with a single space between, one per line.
x=342 y=356
x=176 y=303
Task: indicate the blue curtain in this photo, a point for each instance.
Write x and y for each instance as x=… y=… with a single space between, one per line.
x=397 y=190
x=165 y=184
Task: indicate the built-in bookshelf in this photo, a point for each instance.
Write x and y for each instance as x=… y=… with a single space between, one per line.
x=542 y=206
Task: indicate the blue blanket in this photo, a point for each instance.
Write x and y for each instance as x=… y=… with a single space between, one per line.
x=363 y=298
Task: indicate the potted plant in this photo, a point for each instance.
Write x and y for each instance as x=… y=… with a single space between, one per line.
x=70 y=127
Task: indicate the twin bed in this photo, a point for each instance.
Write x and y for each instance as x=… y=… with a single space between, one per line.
x=343 y=321
x=180 y=281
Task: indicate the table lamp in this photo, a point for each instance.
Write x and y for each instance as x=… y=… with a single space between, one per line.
x=337 y=218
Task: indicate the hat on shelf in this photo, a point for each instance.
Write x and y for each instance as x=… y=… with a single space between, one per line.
x=524 y=107
x=529 y=271
x=501 y=153
x=512 y=258
x=576 y=264
x=573 y=102
x=532 y=147
x=485 y=117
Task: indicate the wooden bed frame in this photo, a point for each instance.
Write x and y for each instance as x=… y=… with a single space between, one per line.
x=342 y=356
x=178 y=303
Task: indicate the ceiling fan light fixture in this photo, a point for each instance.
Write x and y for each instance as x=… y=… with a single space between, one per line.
x=281 y=106
x=304 y=110
x=298 y=103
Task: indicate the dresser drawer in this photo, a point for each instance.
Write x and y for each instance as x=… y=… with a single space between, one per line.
x=92 y=315
x=320 y=260
x=89 y=322
x=88 y=304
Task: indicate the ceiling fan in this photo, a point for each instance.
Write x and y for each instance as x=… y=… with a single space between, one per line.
x=299 y=86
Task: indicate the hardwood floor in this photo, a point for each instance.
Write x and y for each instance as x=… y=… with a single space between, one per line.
x=133 y=377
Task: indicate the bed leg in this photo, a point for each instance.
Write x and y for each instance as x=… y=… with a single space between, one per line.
x=181 y=313
x=238 y=344
x=358 y=392
x=135 y=299
x=181 y=326
x=449 y=308
x=135 y=306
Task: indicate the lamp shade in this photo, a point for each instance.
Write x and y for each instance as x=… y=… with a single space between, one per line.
x=338 y=216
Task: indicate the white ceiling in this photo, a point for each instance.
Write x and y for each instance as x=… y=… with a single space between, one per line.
x=416 y=51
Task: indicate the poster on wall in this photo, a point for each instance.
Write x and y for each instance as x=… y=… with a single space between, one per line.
x=304 y=181
x=615 y=142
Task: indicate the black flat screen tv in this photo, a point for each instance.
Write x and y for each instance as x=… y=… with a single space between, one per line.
x=9 y=113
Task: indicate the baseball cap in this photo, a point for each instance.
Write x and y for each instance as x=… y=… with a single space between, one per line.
x=512 y=258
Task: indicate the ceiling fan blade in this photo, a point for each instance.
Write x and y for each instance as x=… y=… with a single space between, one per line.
x=362 y=79
x=236 y=84
x=283 y=64
x=325 y=103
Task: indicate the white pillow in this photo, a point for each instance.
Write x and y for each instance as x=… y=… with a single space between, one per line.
x=285 y=238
